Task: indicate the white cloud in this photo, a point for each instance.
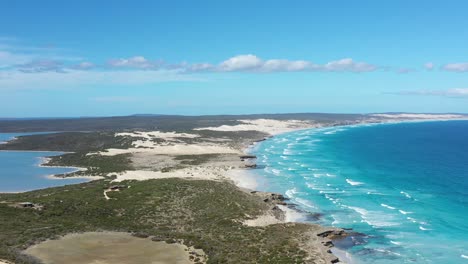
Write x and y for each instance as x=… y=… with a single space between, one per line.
x=79 y=79
x=285 y=65
x=241 y=63
x=41 y=66
x=349 y=65
x=253 y=63
x=455 y=92
x=456 y=67
x=429 y=66
x=9 y=59
x=134 y=62
x=84 y=66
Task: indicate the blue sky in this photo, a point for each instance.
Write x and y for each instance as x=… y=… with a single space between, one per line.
x=94 y=58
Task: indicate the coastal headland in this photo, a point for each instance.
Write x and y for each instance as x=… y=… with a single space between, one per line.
x=166 y=180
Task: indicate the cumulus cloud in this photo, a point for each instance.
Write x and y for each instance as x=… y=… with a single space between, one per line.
x=456 y=67
x=253 y=63
x=14 y=79
x=84 y=66
x=350 y=65
x=429 y=66
x=41 y=66
x=241 y=63
x=134 y=62
x=455 y=92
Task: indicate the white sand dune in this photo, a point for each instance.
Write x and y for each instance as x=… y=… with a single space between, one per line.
x=176 y=149
x=419 y=116
x=157 y=134
x=269 y=126
x=204 y=173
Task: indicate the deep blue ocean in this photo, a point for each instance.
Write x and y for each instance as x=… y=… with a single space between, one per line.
x=20 y=171
x=404 y=186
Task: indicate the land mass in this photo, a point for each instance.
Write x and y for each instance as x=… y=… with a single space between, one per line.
x=169 y=179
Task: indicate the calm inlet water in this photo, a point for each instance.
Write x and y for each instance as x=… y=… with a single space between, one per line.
x=20 y=171
x=403 y=185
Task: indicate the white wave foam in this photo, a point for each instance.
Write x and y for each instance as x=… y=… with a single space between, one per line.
x=276 y=172
x=388 y=206
x=291 y=192
x=306 y=203
x=464 y=256
x=395 y=242
x=424 y=229
x=385 y=251
x=374 y=218
x=354 y=183
x=406 y=194
x=411 y=219
x=404 y=212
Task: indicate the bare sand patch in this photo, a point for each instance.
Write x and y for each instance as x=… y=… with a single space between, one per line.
x=157 y=134
x=108 y=248
x=203 y=173
x=269 y=126
x=263 y=220
x=176 y=149
x=419 y=116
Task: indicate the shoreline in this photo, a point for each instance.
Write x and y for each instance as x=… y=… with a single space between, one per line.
x=250 y=183
x=290 y=212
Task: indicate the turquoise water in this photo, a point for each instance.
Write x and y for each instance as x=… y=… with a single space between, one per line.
x=20 y=171
x=405 y=186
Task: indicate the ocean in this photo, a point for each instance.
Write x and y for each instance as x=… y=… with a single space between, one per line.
x=402 y=187
x=20 y=171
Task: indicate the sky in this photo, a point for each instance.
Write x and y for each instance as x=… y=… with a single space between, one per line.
x=107 y=58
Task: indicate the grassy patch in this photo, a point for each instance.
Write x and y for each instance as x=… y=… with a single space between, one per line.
x=205 y=214
x=95 y=164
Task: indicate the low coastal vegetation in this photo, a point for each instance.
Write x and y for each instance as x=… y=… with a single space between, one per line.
x=206 y=215
x=202 y=214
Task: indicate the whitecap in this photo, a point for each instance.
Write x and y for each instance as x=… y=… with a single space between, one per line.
x=276 y=172
x=388 y=206
x=374 y=218
x=354 y=183
x=424 y=229
x=306 y=203
x=464 y=256
x=395 y=242
x=291 y=192
x=404 y=212
x=406 y=194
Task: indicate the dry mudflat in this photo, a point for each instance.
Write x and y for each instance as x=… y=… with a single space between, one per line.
x=108 y=248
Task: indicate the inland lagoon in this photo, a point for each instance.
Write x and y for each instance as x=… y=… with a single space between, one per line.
x=21 y=171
